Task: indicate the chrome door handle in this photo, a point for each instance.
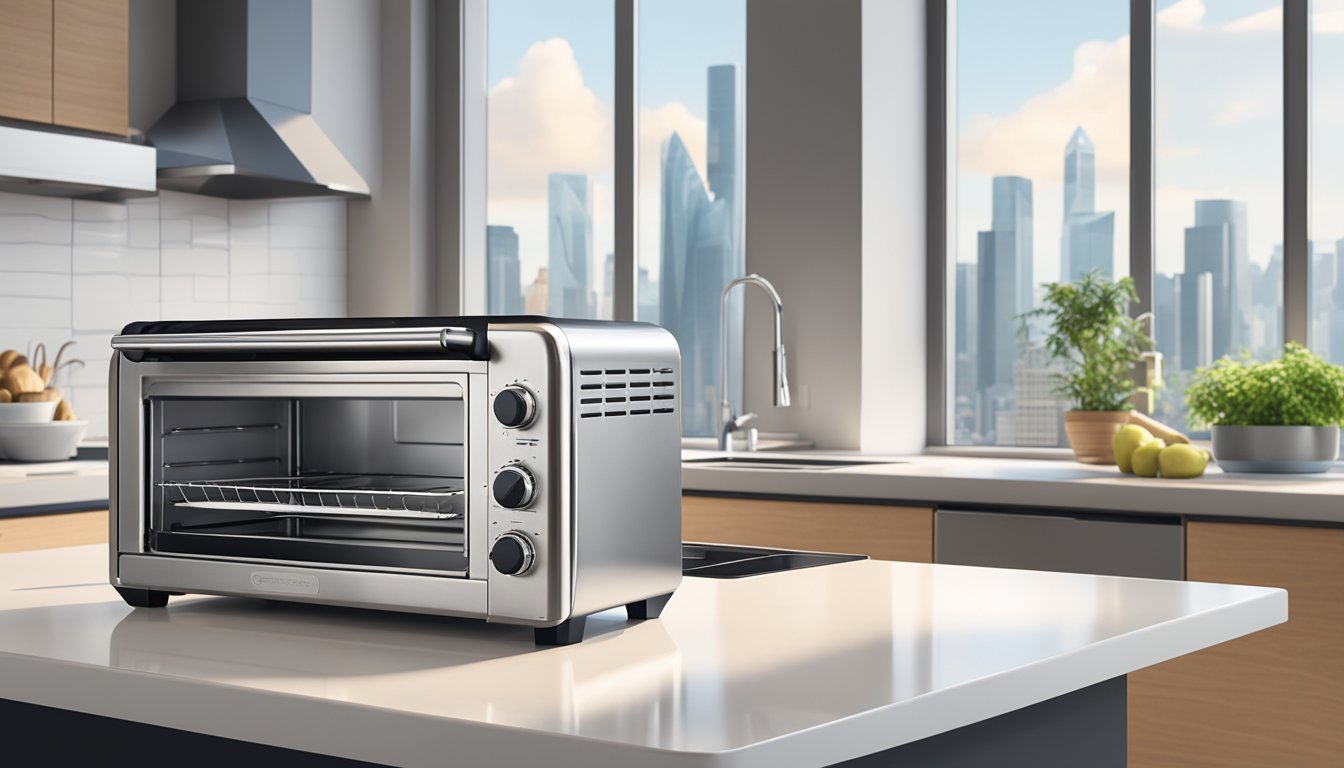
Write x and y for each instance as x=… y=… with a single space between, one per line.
x=373 y=339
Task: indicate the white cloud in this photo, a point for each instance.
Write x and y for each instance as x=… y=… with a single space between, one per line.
x=1270 y=20
x=1328 y=22
x=1030 y=142
x=1186 y=14
x=544 y=120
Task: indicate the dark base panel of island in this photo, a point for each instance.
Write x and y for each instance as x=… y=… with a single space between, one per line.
x=1084 y=728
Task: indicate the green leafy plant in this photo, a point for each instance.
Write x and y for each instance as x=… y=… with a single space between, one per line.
x=1299 y=389
x=1095 y=339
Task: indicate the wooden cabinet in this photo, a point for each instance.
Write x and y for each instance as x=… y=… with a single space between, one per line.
x=91 y=70
x=879 y=531
x=1275 y=698
x=26 y=59
x=19 y=534
x=66 y=62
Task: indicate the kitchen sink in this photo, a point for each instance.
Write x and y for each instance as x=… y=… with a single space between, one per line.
x=782 y=462
x=720 y=561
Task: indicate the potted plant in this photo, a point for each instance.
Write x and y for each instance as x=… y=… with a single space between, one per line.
x=1277 y=416
x=1098 y=344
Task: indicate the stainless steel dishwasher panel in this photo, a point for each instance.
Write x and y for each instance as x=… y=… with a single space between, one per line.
x=1104 y=545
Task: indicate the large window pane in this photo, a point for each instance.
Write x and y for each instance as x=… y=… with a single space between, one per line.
x=1042 y=147
x=690 y=206
x=1327 y=179
x=549 y=203
x=1218 y=231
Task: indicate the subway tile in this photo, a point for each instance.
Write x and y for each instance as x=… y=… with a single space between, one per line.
x=35 y=313
x=249 y=260
x=177 y=260
x=34 y=219
x=250 y=289
x=34 y=257
x=210 y=261
x=211 y=289
x=109 y=302
x=308 y=224
x=36 y=285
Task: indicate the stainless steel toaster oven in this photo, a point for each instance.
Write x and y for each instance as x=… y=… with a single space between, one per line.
x=522 y=470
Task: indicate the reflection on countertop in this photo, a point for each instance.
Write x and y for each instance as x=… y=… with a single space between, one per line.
x=737 y=672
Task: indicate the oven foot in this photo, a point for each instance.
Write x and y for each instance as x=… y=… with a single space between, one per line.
x=143 y=598
x=650 y=608
x=567 y=632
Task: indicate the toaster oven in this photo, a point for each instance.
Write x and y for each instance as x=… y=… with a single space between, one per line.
x=523 y=470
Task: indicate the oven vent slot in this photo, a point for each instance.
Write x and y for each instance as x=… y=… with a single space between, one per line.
x=644 y=390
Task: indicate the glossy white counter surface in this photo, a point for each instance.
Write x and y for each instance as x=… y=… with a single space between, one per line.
x=1032 y=484
x=803 y=668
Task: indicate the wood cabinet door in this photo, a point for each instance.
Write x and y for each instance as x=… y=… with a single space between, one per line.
x=25 y=60
x=1272 y=699
x=878 y=531
x=91 y=65
x=20 y=534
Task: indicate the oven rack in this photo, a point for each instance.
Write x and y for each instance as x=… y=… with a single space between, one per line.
x=403 y=496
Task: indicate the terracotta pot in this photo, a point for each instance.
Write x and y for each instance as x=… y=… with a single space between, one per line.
x=1090 y=434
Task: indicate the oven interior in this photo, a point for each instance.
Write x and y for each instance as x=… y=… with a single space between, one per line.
x=365 y=483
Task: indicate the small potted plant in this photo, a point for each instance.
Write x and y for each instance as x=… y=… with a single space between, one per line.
x=1097 y=344
x=1277 y=416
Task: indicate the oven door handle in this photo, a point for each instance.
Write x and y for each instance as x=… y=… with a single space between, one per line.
x=461 y=340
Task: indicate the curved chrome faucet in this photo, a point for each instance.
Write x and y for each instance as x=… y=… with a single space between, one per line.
x=729 y=421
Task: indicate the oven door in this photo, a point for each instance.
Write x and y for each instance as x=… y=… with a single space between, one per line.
x=367 y=470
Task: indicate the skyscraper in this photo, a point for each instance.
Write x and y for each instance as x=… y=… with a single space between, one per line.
x=1088 y=240
x=1236 y=302
x=569 y=211
x=1205 y=322
x=1004 y=291
x=701 y=252
x=1167 y=314
x=503 y=282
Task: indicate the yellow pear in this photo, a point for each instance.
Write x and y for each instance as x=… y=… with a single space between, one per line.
x=1182 y=461
x=1127 y=439
x=1145 y=457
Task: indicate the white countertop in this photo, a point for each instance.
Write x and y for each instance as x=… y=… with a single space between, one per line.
x=25 y=486
x=808 y=667
x=1033 y=484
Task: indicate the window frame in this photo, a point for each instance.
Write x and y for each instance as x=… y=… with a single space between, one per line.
x=940 y=92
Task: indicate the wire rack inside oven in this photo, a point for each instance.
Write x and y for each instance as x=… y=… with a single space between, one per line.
x=410 y=496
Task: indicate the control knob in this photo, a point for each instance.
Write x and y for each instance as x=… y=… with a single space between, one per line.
x=515 y=407
x=513 y=487
x=512 y=554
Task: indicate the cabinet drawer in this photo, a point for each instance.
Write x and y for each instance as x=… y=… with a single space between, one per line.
x=25 y=60
x=878 y=531
x=1071 y=544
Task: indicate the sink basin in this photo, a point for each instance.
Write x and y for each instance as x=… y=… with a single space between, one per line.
x=781 y=462
x=719 y=561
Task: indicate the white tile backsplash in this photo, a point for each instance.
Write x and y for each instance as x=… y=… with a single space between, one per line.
x=82 y=270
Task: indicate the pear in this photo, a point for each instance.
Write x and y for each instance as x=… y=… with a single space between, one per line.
x=1145 y=457
x=1182 y=461
x=1127 y=439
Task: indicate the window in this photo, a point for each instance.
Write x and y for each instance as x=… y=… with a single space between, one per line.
x=551 y=211
x=1041 y=195
x=690 y=206
x=1217 y=261
x=549 y=204
x=1218 y=222
x=1327 y=180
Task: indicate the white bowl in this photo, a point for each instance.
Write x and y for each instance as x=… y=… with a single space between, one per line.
x=41 y=441
x=26 y=413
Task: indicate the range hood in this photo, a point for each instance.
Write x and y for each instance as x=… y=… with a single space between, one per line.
x=242 y=126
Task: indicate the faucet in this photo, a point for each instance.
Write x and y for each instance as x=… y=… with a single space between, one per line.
x=729 y=421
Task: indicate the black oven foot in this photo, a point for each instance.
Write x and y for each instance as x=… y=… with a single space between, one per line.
x=650 y=608
x=143 y=598
x=567 y=632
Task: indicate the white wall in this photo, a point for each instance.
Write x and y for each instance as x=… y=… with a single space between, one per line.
x=82 y=270
x=894 y=265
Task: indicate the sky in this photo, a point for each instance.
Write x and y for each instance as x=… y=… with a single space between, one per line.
x=1029 y=72
x=550 y=70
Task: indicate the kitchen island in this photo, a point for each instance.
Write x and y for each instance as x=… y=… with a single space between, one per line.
x=902 y=661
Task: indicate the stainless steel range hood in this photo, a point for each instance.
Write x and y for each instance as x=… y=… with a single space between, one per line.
x=242 y=126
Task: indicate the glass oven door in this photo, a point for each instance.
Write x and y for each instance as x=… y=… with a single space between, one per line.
x=333 y=474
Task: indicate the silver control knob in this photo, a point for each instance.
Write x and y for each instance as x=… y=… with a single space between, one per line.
x=513 y=487
x=512 y=554
x=515 y=407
